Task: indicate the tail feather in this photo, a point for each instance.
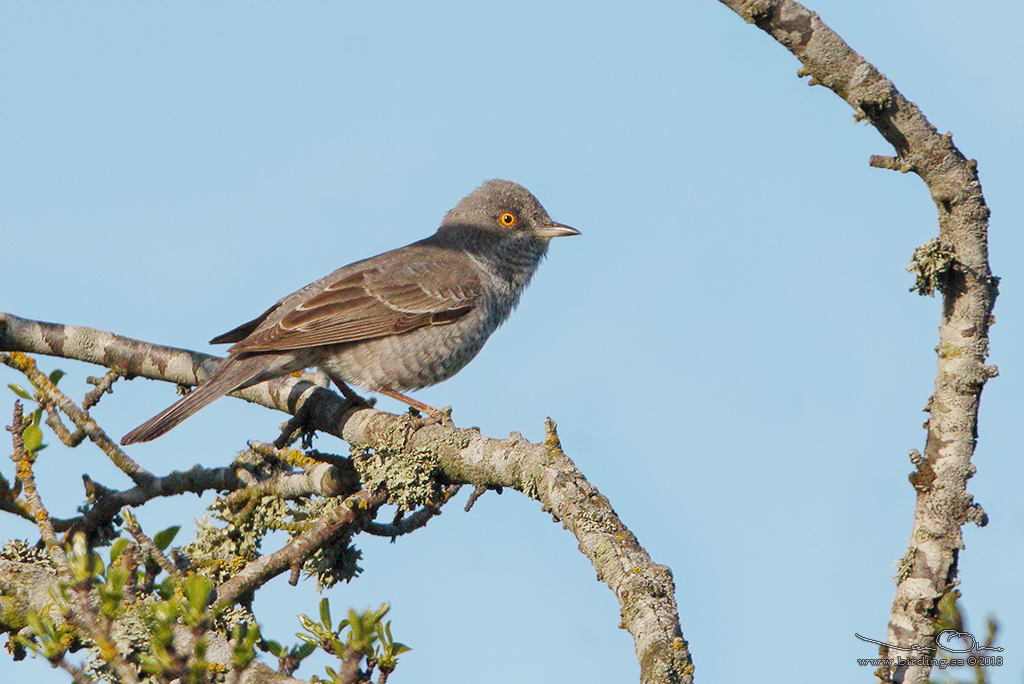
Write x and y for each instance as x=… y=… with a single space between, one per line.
x=233 y=373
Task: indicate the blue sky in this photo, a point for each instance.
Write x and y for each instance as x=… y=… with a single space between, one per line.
x=730 y=350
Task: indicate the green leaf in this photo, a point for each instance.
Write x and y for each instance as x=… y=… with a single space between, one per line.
x=116 y=548
x=56 y=375
x=304 y=651
x=325 y=614
x=274 y=648
x=21 y=391
x=163 y=538
x=33 y=437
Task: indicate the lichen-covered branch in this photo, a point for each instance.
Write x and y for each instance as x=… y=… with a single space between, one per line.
x=968 y=289
x=345 y=519
x=645 y=590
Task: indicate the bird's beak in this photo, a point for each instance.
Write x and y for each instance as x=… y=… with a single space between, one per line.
x=553 y=230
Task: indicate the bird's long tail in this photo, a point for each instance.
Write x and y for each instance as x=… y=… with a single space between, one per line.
x=233 y=373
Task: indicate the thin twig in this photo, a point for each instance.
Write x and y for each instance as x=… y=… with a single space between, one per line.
x=23 y=461
x=149 y=546
x=103 y=386
x=109 y=502
x=80 y=418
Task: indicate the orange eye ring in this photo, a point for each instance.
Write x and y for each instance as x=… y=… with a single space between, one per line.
x=507 y=219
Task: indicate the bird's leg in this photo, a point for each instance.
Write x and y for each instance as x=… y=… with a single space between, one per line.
x=346 y=391
x=435 y=415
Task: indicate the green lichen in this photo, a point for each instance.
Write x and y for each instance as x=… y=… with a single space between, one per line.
x=412 y=476
x=950 y=351
x=932 y=265
x=904 y=566
x=19 y=550
x=221 y=550
x=335 y=562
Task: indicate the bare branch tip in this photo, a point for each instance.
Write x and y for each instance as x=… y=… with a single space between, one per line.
x=478 y=491
x=880 y=161
x=977 y=515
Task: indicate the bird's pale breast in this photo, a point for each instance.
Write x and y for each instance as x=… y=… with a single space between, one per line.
x=415 y=359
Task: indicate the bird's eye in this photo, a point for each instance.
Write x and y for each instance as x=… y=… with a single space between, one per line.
x=507 y=219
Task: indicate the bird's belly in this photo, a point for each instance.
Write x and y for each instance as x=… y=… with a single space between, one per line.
x=418 y=358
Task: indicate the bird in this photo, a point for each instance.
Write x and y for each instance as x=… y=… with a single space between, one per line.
x=402 y=320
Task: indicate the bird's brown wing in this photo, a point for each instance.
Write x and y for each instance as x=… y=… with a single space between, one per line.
x=375 y=301
x=241 y=332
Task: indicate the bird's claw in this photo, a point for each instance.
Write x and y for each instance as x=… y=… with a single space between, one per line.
x=417 y=420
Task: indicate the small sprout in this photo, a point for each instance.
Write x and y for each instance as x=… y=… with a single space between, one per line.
x=367 y=636
x=111 y=592
x=84 y=563
x=53 y=641
x=389 y=650
x=310 y=626
x=243 y=650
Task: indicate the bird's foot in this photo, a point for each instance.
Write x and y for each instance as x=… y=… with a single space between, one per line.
x=433 y=417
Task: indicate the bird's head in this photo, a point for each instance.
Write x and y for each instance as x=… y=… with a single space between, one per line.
x=504 y=209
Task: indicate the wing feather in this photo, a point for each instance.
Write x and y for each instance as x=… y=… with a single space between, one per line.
x=380 y=299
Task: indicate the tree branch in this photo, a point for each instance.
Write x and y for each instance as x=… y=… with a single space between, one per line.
x=346 y=518
x=969 y=291
x=109 y=502
x=645 y=590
